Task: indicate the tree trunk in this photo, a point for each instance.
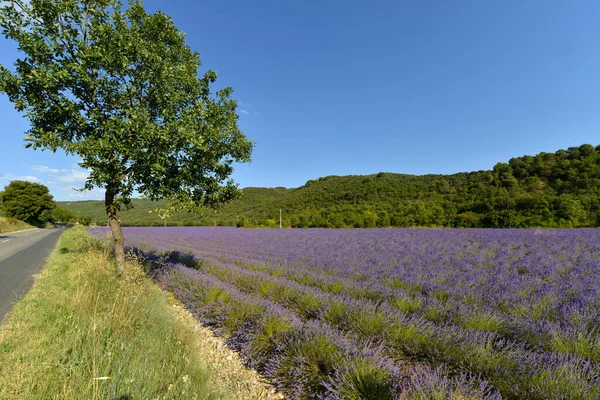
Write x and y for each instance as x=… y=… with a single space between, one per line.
x=115 y=228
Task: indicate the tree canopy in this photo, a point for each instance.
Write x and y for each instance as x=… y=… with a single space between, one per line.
x=120 y=88
x=26 y=201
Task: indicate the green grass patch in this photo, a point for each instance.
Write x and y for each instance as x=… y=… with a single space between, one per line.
x=83 y=333
x=486 y=322
x=12 y=225
x=408 y=304
x=365 y=380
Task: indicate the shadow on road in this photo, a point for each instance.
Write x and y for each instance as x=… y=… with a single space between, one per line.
x=4 y=237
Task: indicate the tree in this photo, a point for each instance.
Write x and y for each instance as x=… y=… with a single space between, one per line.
x=120 y=89
x=383 y=218
x=467 y=219
x=26 y=201
x=370 y=219
x=504 y=175
x=62 y=215
x=241 y=222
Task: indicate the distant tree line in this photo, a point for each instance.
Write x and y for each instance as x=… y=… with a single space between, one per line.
x=560 y=189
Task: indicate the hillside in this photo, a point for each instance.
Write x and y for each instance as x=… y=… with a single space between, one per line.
x=141 y=213
x=12 y=225
x=560 y=189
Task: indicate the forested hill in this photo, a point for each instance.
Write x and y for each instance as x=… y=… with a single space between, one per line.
x=559 y=189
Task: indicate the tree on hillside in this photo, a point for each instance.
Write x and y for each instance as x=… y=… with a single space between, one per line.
x=120 y=88
x=26 y=201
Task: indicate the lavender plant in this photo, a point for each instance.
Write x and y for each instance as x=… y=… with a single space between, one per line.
x=434 y=313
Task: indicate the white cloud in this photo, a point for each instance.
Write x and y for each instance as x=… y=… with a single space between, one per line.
x=73 y=176
x=87 y=195
x=47 y=170
x=248 y=108
x=28 y=178
x=62 y=182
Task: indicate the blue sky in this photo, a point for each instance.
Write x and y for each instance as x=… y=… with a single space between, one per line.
x=353 y=87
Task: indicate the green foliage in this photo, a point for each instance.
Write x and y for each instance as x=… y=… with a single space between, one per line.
x=559 y=189
x=311 y=357
x=271 y=331
x=486 y=322
x=368 y=324
x=26 y=201
x=62 y=215
x=120 y=88
x=370 y=219
x=586 y=345
x=86 y=220
x=408 y=304
x=365 y=380
x=308 y=306
x=142 y=211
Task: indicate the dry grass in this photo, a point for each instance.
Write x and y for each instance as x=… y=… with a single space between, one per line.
x=83 y=333
x=12 y=225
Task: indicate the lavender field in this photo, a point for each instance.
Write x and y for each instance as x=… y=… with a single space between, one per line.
x=395 y=313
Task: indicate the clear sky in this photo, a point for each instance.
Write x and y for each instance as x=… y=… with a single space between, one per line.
x=332 y=87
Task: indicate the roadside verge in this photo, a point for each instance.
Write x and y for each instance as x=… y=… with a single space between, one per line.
x=8 y=225
x=81 y=332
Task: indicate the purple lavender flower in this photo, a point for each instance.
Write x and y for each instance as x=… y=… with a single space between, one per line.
x=479 y=313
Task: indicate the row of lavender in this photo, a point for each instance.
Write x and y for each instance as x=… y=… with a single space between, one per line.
x=519 y=309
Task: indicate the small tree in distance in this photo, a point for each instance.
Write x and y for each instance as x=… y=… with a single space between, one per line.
x=120 y=89
x=26 y=201
x=62 y=215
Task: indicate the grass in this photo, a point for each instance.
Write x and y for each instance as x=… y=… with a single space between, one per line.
x=12 y=225
x=365 y=380
x=83 y=333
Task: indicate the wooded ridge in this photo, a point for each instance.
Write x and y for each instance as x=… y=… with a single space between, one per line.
x=560 y=189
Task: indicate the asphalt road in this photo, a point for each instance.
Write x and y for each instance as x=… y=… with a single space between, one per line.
x=22 y=255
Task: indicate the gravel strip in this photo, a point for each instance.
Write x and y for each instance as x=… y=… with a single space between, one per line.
x=225 y=364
